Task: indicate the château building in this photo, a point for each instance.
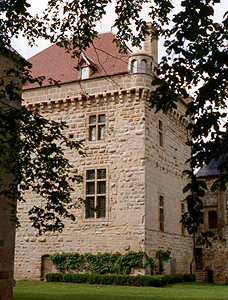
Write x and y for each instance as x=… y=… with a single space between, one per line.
x=212 y=262
x=134 y=163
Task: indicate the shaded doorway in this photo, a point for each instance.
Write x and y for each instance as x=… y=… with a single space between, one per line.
x=46 y=266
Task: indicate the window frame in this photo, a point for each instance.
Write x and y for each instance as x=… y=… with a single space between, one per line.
x=94 y=216
x=161 y=133
x=212 y=219
x=199 y=258
x=85 y=72
x=134 y=66
x=143 y=69
x=161 y=213
x=182 y=213
x=98 y=127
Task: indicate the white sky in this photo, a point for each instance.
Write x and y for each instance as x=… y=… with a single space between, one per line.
x=37 y=7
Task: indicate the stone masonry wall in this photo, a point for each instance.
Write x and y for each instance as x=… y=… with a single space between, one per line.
x=215 y=258
x=164 y=166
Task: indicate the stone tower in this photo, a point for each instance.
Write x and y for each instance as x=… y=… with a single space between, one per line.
x=134 y=163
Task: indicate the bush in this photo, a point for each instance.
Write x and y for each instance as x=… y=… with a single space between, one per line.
x=93 y=279
x=139 y=280
x=54 y=277
x=177 y=278
x=75 y=278
x=189 y=277
x=107 y=279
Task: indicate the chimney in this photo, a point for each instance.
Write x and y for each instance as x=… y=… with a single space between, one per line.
x=151 y=45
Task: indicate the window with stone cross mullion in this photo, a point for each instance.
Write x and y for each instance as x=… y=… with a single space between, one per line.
x=96 y=193
x=97 y=127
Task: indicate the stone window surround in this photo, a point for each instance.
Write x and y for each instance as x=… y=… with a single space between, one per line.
x=136 y=66
x=212 y=219
x=89 y=125
x=182 y=212
x=160 y=133
x=95 y=219
x=161 y=214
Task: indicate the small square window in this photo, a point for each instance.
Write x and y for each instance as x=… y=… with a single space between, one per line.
x=92 y=120
x=90 y=188
x=101 y=118
x=101 y=173
x=90 y=174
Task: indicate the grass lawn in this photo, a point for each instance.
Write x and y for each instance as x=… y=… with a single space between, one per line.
x=36 y=290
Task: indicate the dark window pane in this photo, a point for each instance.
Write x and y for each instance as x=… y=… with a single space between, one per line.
x=199 y=262
x=90 y=174
x=160 y=139
x=161 y=219
x=92 y=133
x=161 y=200
x=101 y=174
x=92 y=119
x=101 y=203
x=160 y=126
x=101 y=119
x=101 y=186
x=90 y=188
x=212 y=219
x=89 y=207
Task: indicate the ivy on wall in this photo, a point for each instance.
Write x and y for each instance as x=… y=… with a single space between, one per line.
x=107 y=263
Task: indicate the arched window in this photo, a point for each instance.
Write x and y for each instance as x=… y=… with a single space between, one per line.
x=143 y=66
x=134 y=66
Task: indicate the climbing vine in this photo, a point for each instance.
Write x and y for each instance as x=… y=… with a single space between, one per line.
x=162 y=257
x=103 y=263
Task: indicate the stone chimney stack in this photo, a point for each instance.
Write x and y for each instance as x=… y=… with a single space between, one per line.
x=151 y=46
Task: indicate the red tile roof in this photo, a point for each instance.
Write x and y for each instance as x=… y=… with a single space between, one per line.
x=55 y=63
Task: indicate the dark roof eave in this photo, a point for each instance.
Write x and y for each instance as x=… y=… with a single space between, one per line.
x=23 y=61
x=208 y=176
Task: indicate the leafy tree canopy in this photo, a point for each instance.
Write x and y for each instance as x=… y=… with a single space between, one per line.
x=196 y=59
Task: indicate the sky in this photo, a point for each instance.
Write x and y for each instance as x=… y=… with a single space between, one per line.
x=37 y=7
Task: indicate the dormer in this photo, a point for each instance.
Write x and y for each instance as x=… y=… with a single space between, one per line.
x=85 y=67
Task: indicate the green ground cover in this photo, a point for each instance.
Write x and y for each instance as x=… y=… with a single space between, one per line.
x=36 y=290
